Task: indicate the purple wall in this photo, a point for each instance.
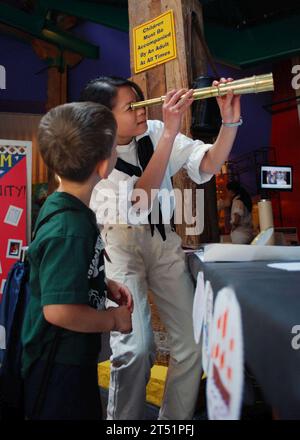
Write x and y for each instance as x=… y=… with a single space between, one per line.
x=26 y=89
x=256 y=129
x=114 y=56
x=255 y=132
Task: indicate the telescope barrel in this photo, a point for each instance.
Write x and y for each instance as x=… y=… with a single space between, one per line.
x=253 y=84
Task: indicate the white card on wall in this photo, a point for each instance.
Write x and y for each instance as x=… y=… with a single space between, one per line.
x=13 y=215
x=14 y=248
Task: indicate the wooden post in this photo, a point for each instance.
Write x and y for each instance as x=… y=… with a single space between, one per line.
x=56 y=92
x=153 y=81
x=178 y=73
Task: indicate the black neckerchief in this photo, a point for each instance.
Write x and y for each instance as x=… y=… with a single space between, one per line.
x=145 y=150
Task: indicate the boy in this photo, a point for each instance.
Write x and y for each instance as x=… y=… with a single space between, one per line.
x=77 y=141
x=150 y=256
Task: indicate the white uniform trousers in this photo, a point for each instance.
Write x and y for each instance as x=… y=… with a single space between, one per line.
x=141 y=261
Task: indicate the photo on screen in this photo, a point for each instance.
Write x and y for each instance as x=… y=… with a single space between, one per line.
x=276 y=177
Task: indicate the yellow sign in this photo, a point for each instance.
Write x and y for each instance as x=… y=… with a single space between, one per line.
x=154 y=42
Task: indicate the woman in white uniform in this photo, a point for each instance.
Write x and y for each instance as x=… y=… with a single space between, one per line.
x=240 y=216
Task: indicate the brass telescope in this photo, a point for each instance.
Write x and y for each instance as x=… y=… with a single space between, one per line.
x=253 y=84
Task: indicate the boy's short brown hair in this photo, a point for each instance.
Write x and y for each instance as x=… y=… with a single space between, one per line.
x=74 y=137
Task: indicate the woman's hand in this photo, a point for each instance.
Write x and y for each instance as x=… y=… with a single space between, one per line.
x=229 y=104
x=153 y=175
x=173 y=108
x=120 y=294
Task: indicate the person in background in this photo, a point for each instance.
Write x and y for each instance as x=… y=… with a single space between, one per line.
x=240 y=214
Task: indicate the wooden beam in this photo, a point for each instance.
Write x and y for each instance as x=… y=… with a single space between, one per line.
x=56 y=91
x=154 y=80
x=177 y=73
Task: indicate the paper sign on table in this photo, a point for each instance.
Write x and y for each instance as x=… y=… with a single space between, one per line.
x=245 y=252
x=207 y=326
x=291 y=267
x=224 y=388
x=198 y=307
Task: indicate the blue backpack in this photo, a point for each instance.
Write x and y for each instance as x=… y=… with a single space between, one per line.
x=15 y=298
x=12 y=310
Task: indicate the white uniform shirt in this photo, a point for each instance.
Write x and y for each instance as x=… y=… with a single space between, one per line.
x=238 y=207
x=107 y=199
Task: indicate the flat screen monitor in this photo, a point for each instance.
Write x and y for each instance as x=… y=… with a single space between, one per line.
x=276 y=177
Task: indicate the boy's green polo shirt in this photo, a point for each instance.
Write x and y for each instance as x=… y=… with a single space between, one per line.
x=66 y=267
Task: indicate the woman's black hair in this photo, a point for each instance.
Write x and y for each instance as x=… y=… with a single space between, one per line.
x=239 y=191
x=104 y=89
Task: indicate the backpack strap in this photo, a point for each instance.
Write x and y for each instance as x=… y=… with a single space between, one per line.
x=49 y=216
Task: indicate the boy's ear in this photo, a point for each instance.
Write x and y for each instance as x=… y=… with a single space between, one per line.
x=103 y=168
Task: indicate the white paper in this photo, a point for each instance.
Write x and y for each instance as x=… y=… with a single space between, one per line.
x=245 y=252
x=225 y=379
x=286 y=266
x=198 y=307
x=207 y=326
x=13 y=215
